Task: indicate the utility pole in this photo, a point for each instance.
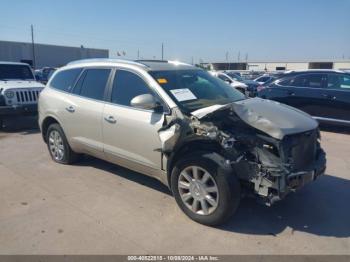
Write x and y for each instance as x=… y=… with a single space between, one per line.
x=239 y=56
x=192 y=60
x=33 y=47
x=226 y=56
x=138 y=54
x=162 y=51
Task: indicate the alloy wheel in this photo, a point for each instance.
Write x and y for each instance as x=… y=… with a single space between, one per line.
x=198 y=190
x=56 y=145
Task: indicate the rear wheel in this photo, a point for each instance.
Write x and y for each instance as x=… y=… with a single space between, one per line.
x=58 y=146
x=205 y=192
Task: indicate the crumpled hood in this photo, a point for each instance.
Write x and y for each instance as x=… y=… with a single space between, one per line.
x=20 y=84
x=270 y=117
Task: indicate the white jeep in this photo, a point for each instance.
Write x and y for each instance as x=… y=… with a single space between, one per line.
x=19 y=91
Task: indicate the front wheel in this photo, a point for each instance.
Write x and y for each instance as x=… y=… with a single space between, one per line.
x=204 y=191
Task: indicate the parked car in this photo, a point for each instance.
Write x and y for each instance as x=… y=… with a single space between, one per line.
x=251 y=75
x=44 y=74
x=324 y=94
x=18 y=90
x=232 y=82
x=202 y=138
x=252 y=86
x=263 y=79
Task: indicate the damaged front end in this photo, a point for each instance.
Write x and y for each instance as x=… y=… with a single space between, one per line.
x=273 y=149
x=278 y=167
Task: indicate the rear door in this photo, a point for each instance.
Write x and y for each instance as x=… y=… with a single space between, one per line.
x=303 y=92
x=84 y=111
x=131 y=134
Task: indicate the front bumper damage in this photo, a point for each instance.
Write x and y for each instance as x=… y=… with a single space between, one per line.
x=270 y=161
x=274 y=185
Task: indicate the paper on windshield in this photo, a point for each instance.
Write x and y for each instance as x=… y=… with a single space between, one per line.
x=183 y=94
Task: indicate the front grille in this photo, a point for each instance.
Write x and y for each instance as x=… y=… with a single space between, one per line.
x=26 y=96
x=302 y=149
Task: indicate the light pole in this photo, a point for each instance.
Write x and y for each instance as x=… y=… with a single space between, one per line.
x=162 y=51
x=33 y=47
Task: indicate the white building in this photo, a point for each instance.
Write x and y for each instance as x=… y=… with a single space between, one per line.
x=46 y=55
x=279 y=65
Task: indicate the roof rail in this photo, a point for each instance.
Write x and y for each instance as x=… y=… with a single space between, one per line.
x=109 y=60
x=151 y=60
x=174 y=62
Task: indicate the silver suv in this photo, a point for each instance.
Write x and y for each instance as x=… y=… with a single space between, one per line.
x=195 y=133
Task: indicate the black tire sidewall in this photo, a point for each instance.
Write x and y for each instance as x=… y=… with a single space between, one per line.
x=226 y=181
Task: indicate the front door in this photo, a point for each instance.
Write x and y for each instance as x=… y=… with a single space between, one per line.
x=337 y=93
x=131 y=134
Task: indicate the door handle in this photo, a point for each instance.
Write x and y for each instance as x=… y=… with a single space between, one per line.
x=329 y=96
x=111 y=120
x=70 y=109
x=291 y=93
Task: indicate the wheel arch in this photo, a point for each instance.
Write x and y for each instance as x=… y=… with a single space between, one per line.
x=194 y=147
x=48 y=120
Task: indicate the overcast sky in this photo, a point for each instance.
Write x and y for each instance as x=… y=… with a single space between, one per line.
x=207 y=30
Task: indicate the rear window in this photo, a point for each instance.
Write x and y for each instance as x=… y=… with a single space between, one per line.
x=312 y=80
x=93 y=83
x=11 y=72
x=65 y=80
x=309 y=80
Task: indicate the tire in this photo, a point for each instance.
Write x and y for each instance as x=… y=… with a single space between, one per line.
x=228 y=188
x=68 y=156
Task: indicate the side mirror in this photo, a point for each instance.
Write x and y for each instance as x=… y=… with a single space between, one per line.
x=146 y=101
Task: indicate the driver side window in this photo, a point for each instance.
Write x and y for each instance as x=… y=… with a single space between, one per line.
x=126 y=86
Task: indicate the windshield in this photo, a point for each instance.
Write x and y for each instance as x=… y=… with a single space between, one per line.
x=272 y=79
x=195 y=89
x=11 y=72
x=235 y=77
x=263 y=78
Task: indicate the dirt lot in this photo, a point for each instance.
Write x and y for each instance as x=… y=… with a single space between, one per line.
x=95 y=207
